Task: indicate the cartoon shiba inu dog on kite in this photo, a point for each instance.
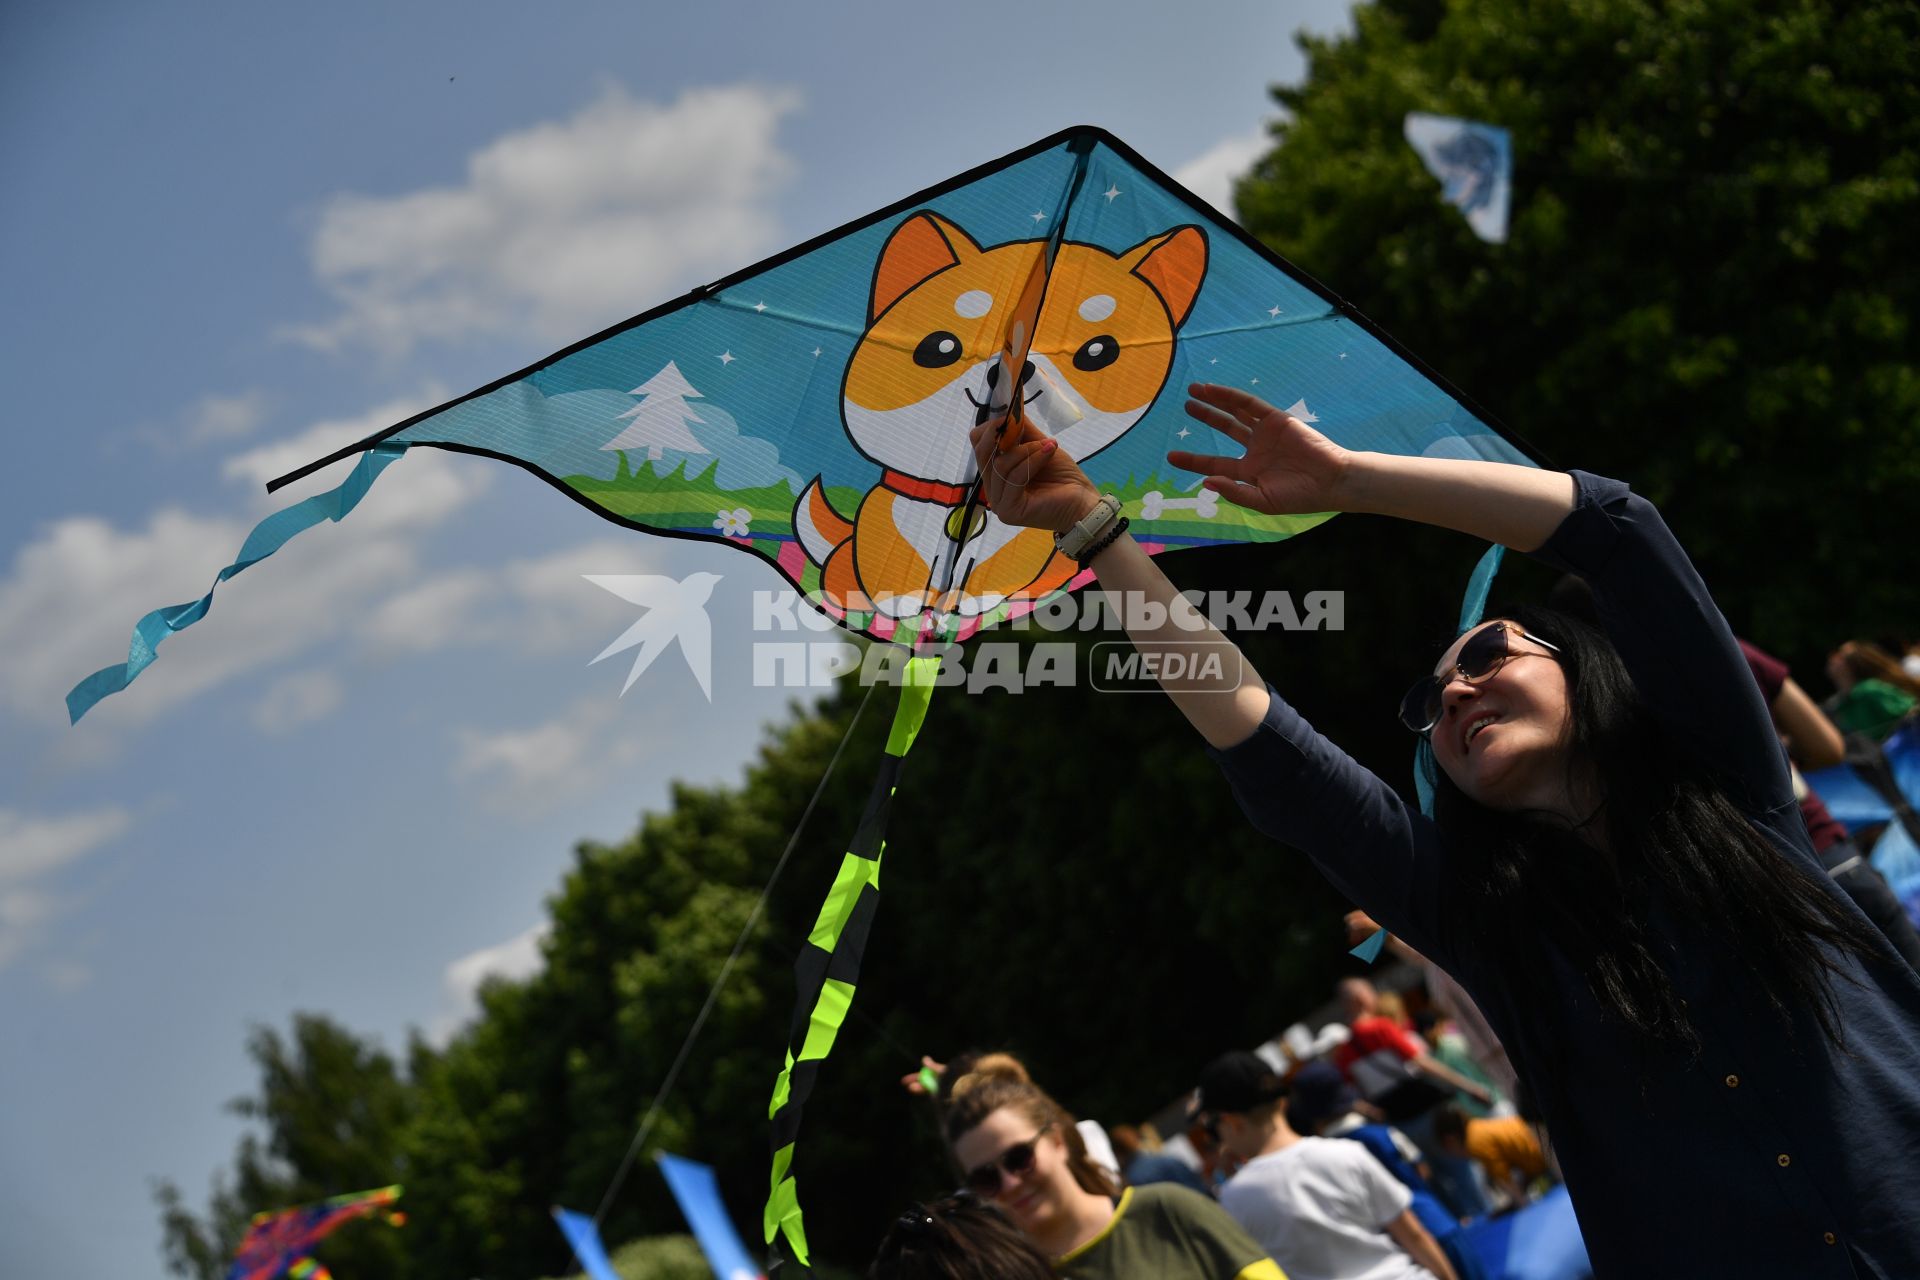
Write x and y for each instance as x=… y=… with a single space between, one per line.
x=930 y=367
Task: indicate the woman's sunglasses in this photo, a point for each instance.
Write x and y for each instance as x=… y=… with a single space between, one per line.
x=1485 y=653
x=1016 y=1160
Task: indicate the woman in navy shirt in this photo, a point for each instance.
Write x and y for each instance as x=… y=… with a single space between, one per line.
x=1727 y=1054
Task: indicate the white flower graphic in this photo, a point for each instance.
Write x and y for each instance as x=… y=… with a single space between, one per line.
x=732 y=524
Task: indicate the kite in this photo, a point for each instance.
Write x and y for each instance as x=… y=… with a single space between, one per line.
x=698 y=1195
x=583 y=1237
x=1474 y=163
x=277 y=1243
x=812 y=411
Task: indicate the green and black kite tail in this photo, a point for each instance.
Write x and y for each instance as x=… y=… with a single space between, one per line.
x=829 y=965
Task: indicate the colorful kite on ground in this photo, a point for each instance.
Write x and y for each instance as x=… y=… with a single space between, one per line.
x=812 y=411
x=278 y=1242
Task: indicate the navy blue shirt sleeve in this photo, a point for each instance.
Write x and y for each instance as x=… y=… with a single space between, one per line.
x=1384 y=854
x=1681 y=654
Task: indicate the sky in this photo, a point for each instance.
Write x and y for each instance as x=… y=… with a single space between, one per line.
x=238 y=236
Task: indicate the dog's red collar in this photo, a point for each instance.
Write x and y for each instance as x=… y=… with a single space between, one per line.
x=947 y=495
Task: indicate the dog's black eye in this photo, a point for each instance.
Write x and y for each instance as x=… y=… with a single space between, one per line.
x=937 y=350
x=1096 y=353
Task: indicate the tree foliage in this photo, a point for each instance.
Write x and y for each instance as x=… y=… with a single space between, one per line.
x=1022 y=906
x=332 y=1107
x=1707 y=288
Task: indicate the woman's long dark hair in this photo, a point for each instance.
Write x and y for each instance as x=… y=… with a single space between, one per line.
x=1671 y=834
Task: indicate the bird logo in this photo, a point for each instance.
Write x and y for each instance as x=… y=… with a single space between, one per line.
x=675 y=610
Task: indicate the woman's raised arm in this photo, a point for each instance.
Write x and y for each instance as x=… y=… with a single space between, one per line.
x=1285 y=468
x=1033 y=483
x=1288 y=468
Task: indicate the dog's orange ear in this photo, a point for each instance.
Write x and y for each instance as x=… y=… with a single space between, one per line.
x=1175 y=264
x=922 y=246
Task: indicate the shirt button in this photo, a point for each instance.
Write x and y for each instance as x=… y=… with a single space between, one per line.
x=1783 y=1159
x=1830 y=1238
x=1733 y=1082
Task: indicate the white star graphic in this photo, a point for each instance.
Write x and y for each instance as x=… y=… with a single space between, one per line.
x=1183 y=433
x=816 y=351
x=1343 y=355
x=759 y=306
x=1215 y=360
x=1110 y=193
x=1256 y=382
x=1273 y=311
x=726 y=357
x=1039 y=216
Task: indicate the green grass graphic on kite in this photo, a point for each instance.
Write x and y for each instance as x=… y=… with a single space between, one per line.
x=813 y=409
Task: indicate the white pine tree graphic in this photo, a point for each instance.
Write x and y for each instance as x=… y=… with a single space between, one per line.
x=661 y=418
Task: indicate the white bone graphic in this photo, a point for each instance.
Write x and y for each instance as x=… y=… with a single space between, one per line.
x=1205 y=504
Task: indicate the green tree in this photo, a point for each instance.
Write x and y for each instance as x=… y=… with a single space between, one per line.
x=1019 y=903
x=1708 y=287
x=331 y=1105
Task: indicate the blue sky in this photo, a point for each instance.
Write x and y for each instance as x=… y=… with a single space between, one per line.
x=236 y=236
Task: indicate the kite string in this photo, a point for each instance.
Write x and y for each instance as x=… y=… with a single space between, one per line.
x=713 y=995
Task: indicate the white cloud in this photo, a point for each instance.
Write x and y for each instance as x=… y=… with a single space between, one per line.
x=561 y=228
x=212 y=419
x=516 y=959
x=536 y=605
x=535 y=770
x=216 y=418
x=71 y=596
x=33 y=846
x=437 y=484
x=432 y=614
x=298 y=699
x=1212 y=174
x=23 y=913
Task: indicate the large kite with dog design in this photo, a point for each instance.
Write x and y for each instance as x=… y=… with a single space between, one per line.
x=813 y=411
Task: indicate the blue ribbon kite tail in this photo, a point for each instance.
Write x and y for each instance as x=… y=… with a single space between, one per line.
x=1473 y=606
x=267 y=537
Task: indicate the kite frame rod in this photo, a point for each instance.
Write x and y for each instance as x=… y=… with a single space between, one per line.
x=1079 y=137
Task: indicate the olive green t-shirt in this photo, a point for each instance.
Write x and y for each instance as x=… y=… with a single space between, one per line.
x=1166 y=1232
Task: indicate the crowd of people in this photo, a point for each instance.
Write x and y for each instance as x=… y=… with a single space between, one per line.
x=1296 y=1157
x=1619 y=892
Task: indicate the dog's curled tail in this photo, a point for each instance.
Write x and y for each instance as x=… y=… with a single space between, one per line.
x=819 y=527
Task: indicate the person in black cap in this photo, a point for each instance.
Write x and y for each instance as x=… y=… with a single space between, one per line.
x=1323 y=1208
